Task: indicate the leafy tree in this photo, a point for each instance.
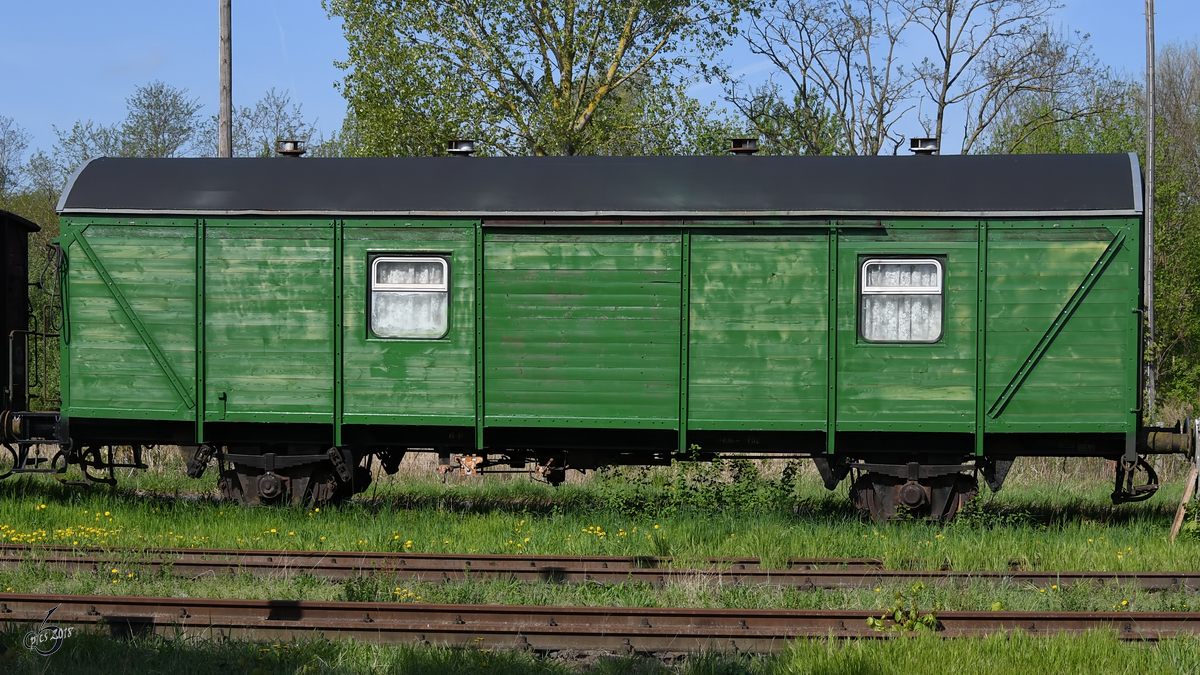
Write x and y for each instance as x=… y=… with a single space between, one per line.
x=85 y=141
x=800 y=126
x=161 y=121
x=1106 y=117
x=1176 y=353
x=524 y=76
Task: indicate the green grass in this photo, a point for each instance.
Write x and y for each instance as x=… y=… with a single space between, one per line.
x=1055 y=520
x=997 y=655
x=1048 y=524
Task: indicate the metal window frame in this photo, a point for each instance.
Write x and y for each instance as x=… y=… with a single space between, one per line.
x=867 y=289
x=443 y=287
x=374 y=286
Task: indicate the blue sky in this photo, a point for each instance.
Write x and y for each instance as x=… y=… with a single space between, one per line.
x=65 y=60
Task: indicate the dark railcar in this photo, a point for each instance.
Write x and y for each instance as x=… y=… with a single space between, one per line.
x=14 y=307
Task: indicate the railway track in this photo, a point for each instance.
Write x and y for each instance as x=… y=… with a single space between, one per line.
x=544 y=629
x=801 y=572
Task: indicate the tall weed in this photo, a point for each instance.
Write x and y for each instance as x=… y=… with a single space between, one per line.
x=701 y=487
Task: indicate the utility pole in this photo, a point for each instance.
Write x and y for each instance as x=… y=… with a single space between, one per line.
x=1149 y=206
x=225 y=113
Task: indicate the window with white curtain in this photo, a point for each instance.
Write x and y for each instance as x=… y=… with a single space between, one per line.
x=901 y=300
x=410 y=297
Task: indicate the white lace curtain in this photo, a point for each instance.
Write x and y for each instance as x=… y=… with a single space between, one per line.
x=409 y=298
x=908 y=314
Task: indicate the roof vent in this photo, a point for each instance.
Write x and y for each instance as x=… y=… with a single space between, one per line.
x=461 y=147
x=923 y=146
x=289 y=147
x=743 y=146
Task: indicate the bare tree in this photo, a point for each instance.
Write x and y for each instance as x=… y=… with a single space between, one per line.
x=1178 y=109
x=255 y=129
x=989 y=52
x=1103 y=115
x=14 y=141
x=840 y=59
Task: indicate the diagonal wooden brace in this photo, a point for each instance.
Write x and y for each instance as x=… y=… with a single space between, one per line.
x=1060 y=321
x=138 y=326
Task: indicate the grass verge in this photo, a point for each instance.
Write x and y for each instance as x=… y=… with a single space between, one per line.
x=1088 y=654
x=1048 y=524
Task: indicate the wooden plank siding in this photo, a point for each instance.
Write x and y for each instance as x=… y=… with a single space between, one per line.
x=269 y=323
x=582 y=330
x=581 y=326
x=111 y=372
x=409 y=381
x=759 y=320
x=909 y=387
x=1084 y=381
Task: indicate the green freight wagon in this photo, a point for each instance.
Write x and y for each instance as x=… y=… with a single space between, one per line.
x=914 y=320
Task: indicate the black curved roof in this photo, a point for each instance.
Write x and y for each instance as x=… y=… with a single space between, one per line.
x=970 y=185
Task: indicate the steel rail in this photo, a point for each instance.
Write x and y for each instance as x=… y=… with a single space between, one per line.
x=810 y=573
x=628 y=629
x=417 y=566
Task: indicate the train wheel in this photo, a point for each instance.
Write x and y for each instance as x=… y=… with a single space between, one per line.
x=887 y=497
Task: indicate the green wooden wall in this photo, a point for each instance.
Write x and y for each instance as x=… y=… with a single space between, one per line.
x=582 y=330
x=109 y=369
x=409 y=381
x=269 y=323
x=908 y=387
x=581 y=327
x=758 y=328
x=1084 y=382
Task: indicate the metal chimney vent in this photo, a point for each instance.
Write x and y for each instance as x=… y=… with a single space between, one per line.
x=289 y=147
x=743 y=146
x=923 y=146
x=461 y=147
